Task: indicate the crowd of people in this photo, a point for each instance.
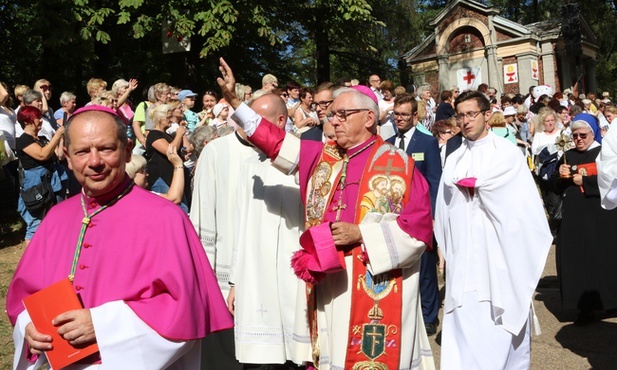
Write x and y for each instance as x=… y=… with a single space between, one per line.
x=320 y=217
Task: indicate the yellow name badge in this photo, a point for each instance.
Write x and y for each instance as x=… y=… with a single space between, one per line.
x=417 y=156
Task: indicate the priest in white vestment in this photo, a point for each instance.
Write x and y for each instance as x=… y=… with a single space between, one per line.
x=214 y=200
x=270 y=300
x=212 y=213
x=490 y=221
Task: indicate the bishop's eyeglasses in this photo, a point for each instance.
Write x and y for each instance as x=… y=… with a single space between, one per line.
x=342 y=114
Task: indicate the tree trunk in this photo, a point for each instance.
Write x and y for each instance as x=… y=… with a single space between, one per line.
x=322 y=50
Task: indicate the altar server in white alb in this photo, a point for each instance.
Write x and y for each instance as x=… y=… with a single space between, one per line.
x=490 y=221
x=267 y=299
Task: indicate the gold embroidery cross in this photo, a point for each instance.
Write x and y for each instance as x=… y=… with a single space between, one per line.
x=389 y=168
x=375 y=337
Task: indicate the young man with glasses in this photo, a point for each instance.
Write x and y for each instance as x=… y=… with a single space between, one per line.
x=322 y=102
x=362 y=257
x=491 y=224
x=424 y=150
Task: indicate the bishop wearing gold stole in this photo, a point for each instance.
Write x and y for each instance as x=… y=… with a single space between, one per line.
x=368 y=220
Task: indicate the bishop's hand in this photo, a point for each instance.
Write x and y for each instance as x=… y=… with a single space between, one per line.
x=37 y=341
x=227 y=84
x=345 y=233
x=76 y=327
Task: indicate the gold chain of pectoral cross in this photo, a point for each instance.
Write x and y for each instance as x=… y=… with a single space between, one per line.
x=343 y=181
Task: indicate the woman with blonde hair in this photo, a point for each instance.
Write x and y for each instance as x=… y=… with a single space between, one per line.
x=610 y=112
x=422 y=112
x=498 y=125
x=547 y=155
x=94 y=87
x=160 y=169
x=546 y=131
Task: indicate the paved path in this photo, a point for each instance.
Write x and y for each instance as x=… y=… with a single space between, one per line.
x=563 y=345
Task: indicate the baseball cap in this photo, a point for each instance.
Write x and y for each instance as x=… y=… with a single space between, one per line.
x=185 y=94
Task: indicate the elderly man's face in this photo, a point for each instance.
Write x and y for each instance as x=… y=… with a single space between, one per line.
x=352 y=124
x=96 y=155
x=374 y=81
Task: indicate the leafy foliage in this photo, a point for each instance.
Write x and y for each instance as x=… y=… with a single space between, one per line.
x=70 y=41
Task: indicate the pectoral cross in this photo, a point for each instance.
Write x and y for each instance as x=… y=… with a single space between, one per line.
x=388 y=168
x=338 y=208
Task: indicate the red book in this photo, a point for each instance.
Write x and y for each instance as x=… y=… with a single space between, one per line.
x=43 y=306
x=587 y=169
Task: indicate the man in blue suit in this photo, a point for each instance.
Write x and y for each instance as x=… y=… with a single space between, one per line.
x=424 y=149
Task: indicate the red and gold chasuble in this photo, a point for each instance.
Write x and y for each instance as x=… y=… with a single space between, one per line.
x=376 y=304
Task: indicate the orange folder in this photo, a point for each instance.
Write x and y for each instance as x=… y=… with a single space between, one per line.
x=43 y=306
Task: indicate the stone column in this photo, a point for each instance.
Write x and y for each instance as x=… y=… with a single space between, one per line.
x=494 y=72
x=444 y=72
x=523 y=61
x=548 y=64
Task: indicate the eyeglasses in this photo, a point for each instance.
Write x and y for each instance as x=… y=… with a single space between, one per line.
x=142 y=171
x=575 y=136
x=46 y=87
x=324 y=104
x=471 y=115
x=342 y=114
x=402 y=115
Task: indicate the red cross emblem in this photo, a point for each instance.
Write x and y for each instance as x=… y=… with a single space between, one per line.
x=469 y=77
